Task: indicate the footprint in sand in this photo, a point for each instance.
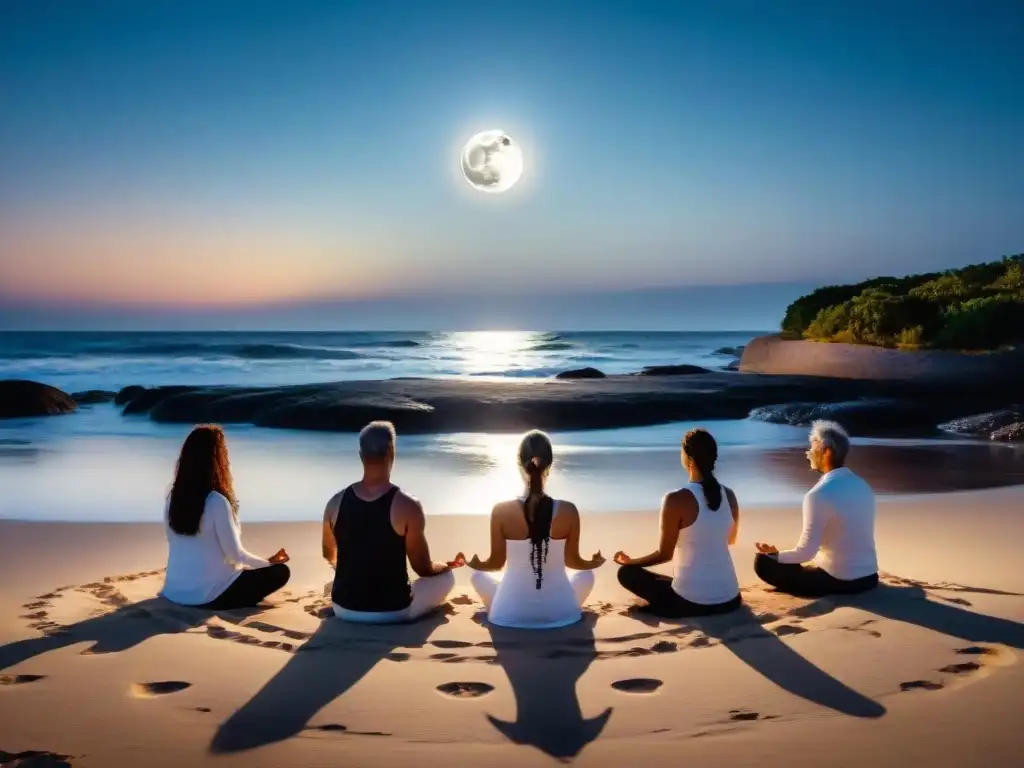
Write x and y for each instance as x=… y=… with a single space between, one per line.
x=922 y=685
x=161 y=688
x=959 y=669
x=339 y=728
x=19 y=679
x=743 y=714
x=465 y=690
x=664 y=646
x=34 y=759
x=450 y=644
x=462 y=600
x=637 y=685
x=789 y=629
x=975 y=650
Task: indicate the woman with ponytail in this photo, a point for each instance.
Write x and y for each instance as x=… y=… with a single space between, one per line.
x=539 y=538
x=699 y=523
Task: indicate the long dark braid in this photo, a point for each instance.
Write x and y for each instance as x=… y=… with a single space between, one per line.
x=702 y=449
x=535 y=457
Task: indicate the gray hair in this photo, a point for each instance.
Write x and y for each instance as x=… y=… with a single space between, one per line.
x=375 y=440
x=833 y=437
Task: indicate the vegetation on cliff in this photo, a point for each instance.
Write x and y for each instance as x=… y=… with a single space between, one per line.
x=979 y=307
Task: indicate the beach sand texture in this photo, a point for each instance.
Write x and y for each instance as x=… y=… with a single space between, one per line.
x=95 y=670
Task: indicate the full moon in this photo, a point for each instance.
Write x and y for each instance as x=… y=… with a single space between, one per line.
x=492 y=161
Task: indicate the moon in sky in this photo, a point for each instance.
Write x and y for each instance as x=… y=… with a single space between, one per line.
x=492 y=161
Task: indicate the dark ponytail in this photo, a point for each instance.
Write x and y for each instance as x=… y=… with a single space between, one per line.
x=702 y=449
x=535 y=457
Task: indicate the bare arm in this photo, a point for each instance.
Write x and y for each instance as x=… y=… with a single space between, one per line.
x=229 y=535
x=496 y=560
x=815 y=520
x=572 y=541
x=735 y=506
x=330 y=544
x=416 y=547
x=670 y=522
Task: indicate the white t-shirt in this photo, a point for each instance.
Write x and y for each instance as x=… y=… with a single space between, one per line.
x=839 y=527
x=201 y=567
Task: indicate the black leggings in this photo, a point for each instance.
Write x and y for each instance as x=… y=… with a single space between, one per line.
x=664 y=601
x=251 y=586
x=807 y=581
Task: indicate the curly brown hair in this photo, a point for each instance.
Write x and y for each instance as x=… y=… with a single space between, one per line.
x=202 y=468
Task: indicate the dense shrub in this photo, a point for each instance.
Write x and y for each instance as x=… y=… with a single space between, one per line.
x=978 y=307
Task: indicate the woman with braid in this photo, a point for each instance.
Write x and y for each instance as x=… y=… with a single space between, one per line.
x=535 y=539
x=699 y=523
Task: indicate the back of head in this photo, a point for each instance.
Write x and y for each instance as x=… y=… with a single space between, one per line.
x=377 y=442
x=202 y=467
x=535 y=459
x=831 y=436
x=702 y=450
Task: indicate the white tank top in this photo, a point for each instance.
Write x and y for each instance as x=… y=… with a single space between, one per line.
x=517 y=601
x=704 y=571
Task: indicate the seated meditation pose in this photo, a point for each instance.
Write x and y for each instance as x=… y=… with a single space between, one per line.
x=699 y=523
x=535 y=539
x=839 y=528
x=370 y=529
x=207 y=566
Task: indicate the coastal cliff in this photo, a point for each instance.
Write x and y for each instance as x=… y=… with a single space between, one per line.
x=775 y=355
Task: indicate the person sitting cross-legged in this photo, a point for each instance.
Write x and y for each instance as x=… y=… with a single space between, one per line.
x=836 y=551
x=370 y=529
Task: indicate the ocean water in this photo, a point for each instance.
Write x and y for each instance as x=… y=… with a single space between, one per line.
x=79 y=361
x=97 y=464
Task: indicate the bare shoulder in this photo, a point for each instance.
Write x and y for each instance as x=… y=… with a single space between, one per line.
x=505 y=508
x=730 y=494
x=405 y=504
x=335 y=501
x=678 y=499
x=567 y=508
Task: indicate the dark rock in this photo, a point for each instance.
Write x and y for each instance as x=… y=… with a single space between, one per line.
x=432 y=406
x=730 y=351
x=876 y=416
x=143 y=399
x=1011 y=433
x=672 y=370
x=128 y=394
x=93 y=396
x=20 y=398
x=733 y=366
x=581 y=373
x=984 y=424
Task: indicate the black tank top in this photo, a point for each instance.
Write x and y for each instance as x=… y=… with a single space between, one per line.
x=371 y=573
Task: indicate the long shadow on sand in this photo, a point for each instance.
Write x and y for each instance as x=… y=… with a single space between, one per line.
x=119 y=630
x=548 y=714
x=909 y=602
x=764 y=652
x=333 y=660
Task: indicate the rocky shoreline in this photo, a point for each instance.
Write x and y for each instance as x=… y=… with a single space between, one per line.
x=427 y=406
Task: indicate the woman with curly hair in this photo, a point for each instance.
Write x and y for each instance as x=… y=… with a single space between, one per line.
x=539 y=538
x=207 y=566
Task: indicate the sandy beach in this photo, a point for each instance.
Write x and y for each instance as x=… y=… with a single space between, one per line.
x=97 y=671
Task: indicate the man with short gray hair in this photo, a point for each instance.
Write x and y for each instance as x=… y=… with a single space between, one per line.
x=370 y=529
x=839 y=528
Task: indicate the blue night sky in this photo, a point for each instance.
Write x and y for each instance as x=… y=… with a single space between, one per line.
x=232 y=158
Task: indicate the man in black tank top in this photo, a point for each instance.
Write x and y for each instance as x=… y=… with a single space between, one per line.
x=369 y=531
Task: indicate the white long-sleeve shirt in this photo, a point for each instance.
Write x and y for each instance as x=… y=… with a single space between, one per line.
x=201 y=567
x=839 y=527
